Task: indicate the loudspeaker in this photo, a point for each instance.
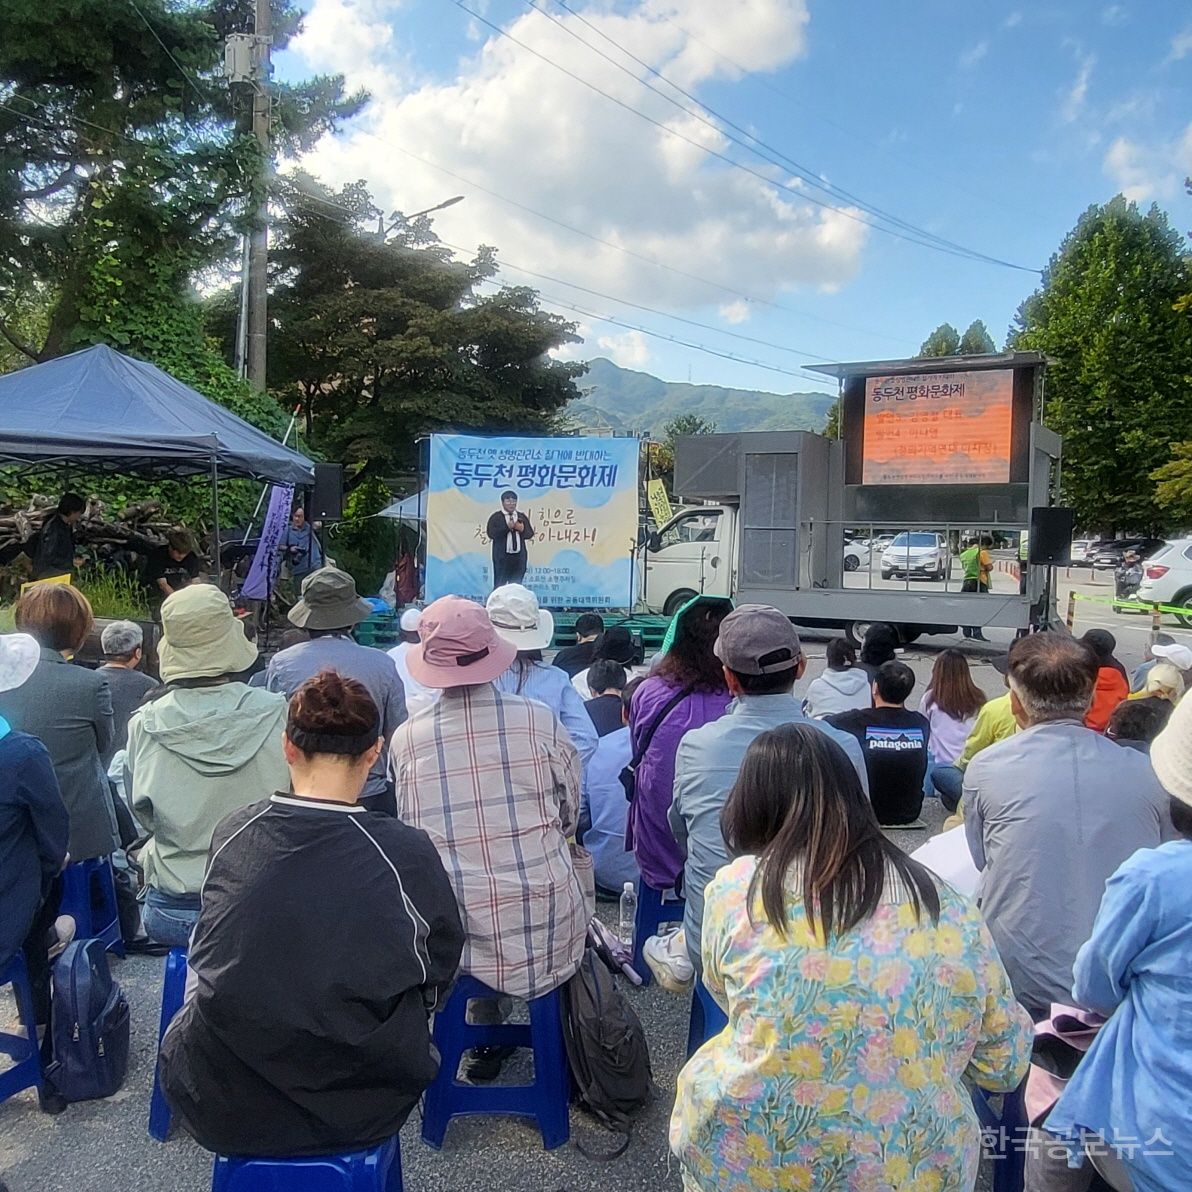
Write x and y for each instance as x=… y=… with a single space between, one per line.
x=327 y=496
x=1051 y=538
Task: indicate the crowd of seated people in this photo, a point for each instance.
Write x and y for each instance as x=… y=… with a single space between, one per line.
x=334 y=859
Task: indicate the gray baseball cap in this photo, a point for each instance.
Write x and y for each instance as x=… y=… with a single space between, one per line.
x=756 y=639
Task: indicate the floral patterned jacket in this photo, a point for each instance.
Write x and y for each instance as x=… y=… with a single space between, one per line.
x=842 y=1064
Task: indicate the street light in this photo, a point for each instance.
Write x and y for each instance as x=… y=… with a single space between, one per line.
x=399 y=218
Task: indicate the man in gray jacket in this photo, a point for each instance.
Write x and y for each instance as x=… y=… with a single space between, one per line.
x=1050 y=813
x=763 y=659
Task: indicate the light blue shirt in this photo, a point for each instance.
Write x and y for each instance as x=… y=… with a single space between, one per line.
x=552 y=687
x=706 y=768
x=604 y=809
x=1135 y=1083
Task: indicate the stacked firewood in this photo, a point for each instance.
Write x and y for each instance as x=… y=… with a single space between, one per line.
x=135 y=527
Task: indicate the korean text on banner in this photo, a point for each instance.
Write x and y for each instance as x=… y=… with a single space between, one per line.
x=579 y=496
x=262 y=575
x=660 y=505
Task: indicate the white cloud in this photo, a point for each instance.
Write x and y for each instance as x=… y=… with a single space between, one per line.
x=974 y=54
x=1013 y=20
x=514 y=125
x=1181 y=45
x=350 y=37
x=1144 y=172
x=629 y=350
x=735 y=312
x=1114 y=14
x=1075 y=96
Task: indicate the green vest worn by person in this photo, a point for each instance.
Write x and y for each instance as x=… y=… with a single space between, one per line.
x=1023 y=546
x=970 y=560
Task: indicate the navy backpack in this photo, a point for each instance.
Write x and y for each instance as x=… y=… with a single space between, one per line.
x=88 y=1026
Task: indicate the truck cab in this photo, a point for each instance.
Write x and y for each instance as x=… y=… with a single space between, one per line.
x=692 y=555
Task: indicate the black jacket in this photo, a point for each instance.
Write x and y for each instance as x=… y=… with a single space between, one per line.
x=574 y=659
x=53 y=550
x=327 y=935
x=33 y=829
x=498 y=532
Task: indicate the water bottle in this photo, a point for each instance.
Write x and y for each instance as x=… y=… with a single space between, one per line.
x=628 y=915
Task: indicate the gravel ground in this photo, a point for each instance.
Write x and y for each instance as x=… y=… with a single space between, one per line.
x=104 y=1147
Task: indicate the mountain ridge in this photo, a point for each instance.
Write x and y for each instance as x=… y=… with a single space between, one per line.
x=630 y=401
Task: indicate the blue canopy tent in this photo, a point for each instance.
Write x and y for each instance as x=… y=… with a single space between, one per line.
x=105 y=412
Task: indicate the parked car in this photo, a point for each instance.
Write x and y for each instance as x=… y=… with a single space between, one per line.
x=917 y=553
x=1167 y=577
x=1108 y=555
x=1082 y=548
x=881 y=542
x=856 y=554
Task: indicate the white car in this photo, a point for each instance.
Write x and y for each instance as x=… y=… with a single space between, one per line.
x=856 y=554
x=1167 y=577
x=917 y=553
x=1081 y=549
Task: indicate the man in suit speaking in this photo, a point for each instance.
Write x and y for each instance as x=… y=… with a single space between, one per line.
x=509 y=530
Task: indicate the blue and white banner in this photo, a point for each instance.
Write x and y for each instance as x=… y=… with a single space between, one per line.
x=262 y=575
x=575 y=499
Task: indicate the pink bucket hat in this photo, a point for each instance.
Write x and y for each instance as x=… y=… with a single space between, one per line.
x=459 y=646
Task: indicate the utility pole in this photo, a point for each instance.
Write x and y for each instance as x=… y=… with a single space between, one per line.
x=258 y=253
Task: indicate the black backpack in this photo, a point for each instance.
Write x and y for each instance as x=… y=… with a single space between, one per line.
x=88 y=1026
x=606 y=1049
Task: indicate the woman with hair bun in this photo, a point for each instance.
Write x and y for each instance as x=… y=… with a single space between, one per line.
x=328 y=934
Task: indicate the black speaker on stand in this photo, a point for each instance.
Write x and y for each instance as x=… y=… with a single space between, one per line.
x=327 y=496
x=1050 y=546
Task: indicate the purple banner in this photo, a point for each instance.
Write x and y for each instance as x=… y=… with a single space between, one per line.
x=266 y=563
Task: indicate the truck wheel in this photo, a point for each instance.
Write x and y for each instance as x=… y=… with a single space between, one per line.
x=909 y=634
x=851 y=562
x=676 y=600
x=854 y=633
x=887 y=574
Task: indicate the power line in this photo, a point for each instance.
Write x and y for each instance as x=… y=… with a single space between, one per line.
x=650 y=309
x=621 y=248
x=760 y=148
x=157 y=37
x=587 y=314
x=805 y=172
x=768 y=181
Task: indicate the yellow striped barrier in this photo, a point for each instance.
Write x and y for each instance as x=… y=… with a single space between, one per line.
x=1156 y=610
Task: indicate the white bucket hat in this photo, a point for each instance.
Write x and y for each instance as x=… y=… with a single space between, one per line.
x=410 y=620
x=514 y=612
x=1171 y=753
x=19 y=656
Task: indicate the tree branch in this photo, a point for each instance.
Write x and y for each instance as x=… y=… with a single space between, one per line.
x=20 y=346
x=50 y=188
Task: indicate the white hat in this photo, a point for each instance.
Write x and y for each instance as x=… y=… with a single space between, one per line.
x=515 y=615
x=19 y=656
x=1171 y=753
x=409 y=620
x=1176 y=653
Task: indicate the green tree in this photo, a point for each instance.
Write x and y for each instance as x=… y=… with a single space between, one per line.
x=383 y=340
x=832 y=425
x=976 y=341
x=943 y=341
x=124 y=158
x=1118 y=387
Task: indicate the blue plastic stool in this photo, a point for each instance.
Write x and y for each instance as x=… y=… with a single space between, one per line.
x=1008 y=1133
x=25 y=1072
x=652 y=912
x=545 y=1099
x=375 y=1170
x=89 y=896
x=173 y=991
x=707 y=1019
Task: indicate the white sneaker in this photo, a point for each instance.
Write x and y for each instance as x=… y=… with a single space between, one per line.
x=668 y=960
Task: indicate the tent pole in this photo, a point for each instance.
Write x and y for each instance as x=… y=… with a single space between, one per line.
x=215 y=518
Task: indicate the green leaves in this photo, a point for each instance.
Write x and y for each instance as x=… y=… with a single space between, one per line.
x=1119 y=388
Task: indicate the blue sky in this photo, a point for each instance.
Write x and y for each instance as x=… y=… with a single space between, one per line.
x=991 y=125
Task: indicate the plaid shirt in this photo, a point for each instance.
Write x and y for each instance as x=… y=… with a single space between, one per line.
x=494 y=781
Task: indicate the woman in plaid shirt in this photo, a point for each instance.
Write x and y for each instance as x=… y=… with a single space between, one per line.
x=494 y=779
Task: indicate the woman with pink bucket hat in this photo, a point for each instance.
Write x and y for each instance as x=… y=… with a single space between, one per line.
x=494 y=780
